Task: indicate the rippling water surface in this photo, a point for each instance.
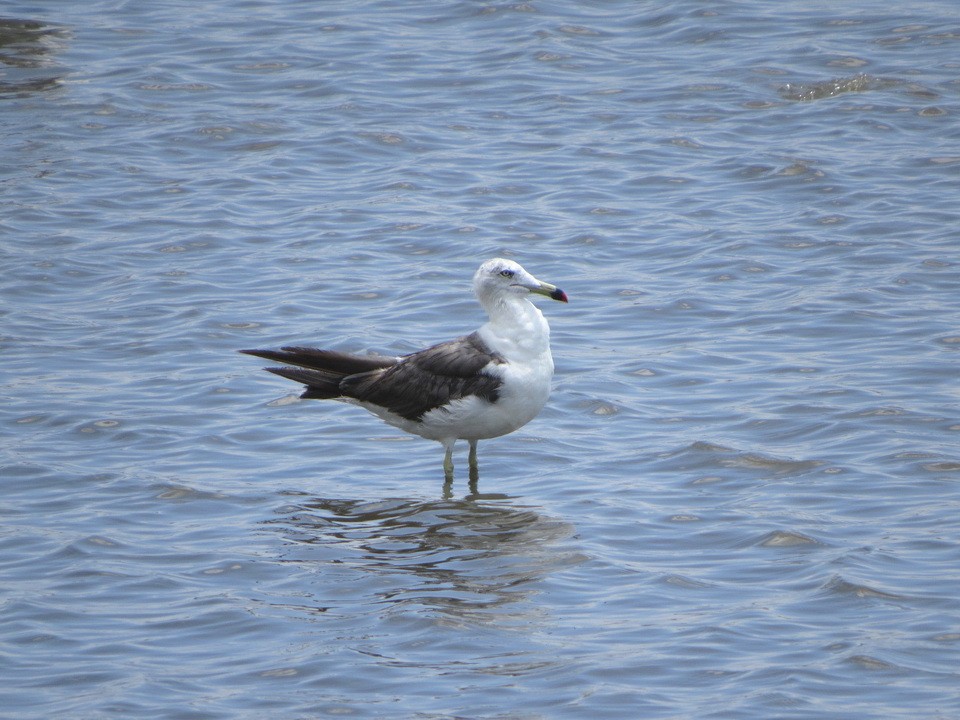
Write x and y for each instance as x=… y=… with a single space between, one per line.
x=742 y=498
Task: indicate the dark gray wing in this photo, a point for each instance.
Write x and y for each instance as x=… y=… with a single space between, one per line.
x=430 y=378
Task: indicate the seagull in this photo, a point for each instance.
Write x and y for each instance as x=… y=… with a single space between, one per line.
x=478 y=386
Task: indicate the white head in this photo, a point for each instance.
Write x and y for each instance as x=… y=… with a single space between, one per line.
x=499 y=279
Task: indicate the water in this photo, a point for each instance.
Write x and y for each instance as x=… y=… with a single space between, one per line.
x=741 y=500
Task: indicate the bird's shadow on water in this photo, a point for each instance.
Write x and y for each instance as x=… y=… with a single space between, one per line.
x=476 y=559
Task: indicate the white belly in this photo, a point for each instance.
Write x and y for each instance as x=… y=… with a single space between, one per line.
x=522 y=395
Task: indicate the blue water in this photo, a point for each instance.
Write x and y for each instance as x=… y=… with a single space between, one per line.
x=742 y=498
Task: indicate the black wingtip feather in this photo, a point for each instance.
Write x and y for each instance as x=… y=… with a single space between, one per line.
x=327 y=360
x=320 y=385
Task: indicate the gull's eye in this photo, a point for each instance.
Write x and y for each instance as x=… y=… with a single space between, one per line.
x=507 y=273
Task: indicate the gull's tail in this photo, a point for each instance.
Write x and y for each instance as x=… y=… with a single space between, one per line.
x=320 y=370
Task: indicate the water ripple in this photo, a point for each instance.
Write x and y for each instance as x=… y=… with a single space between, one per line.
x=740 y=500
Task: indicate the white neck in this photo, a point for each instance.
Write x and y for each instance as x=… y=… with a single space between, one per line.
x=516 y=326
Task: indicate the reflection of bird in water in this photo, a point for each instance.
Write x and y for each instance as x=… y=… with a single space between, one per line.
x=475 y=561
x=479 y=386
x=27 y=48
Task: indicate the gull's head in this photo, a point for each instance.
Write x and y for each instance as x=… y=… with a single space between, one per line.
x=500 y=278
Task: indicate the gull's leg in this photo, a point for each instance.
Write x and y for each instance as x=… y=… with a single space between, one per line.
x=448 y=460
x=474 y=468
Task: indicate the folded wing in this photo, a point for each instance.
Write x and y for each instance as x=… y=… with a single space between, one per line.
x=409 y=386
